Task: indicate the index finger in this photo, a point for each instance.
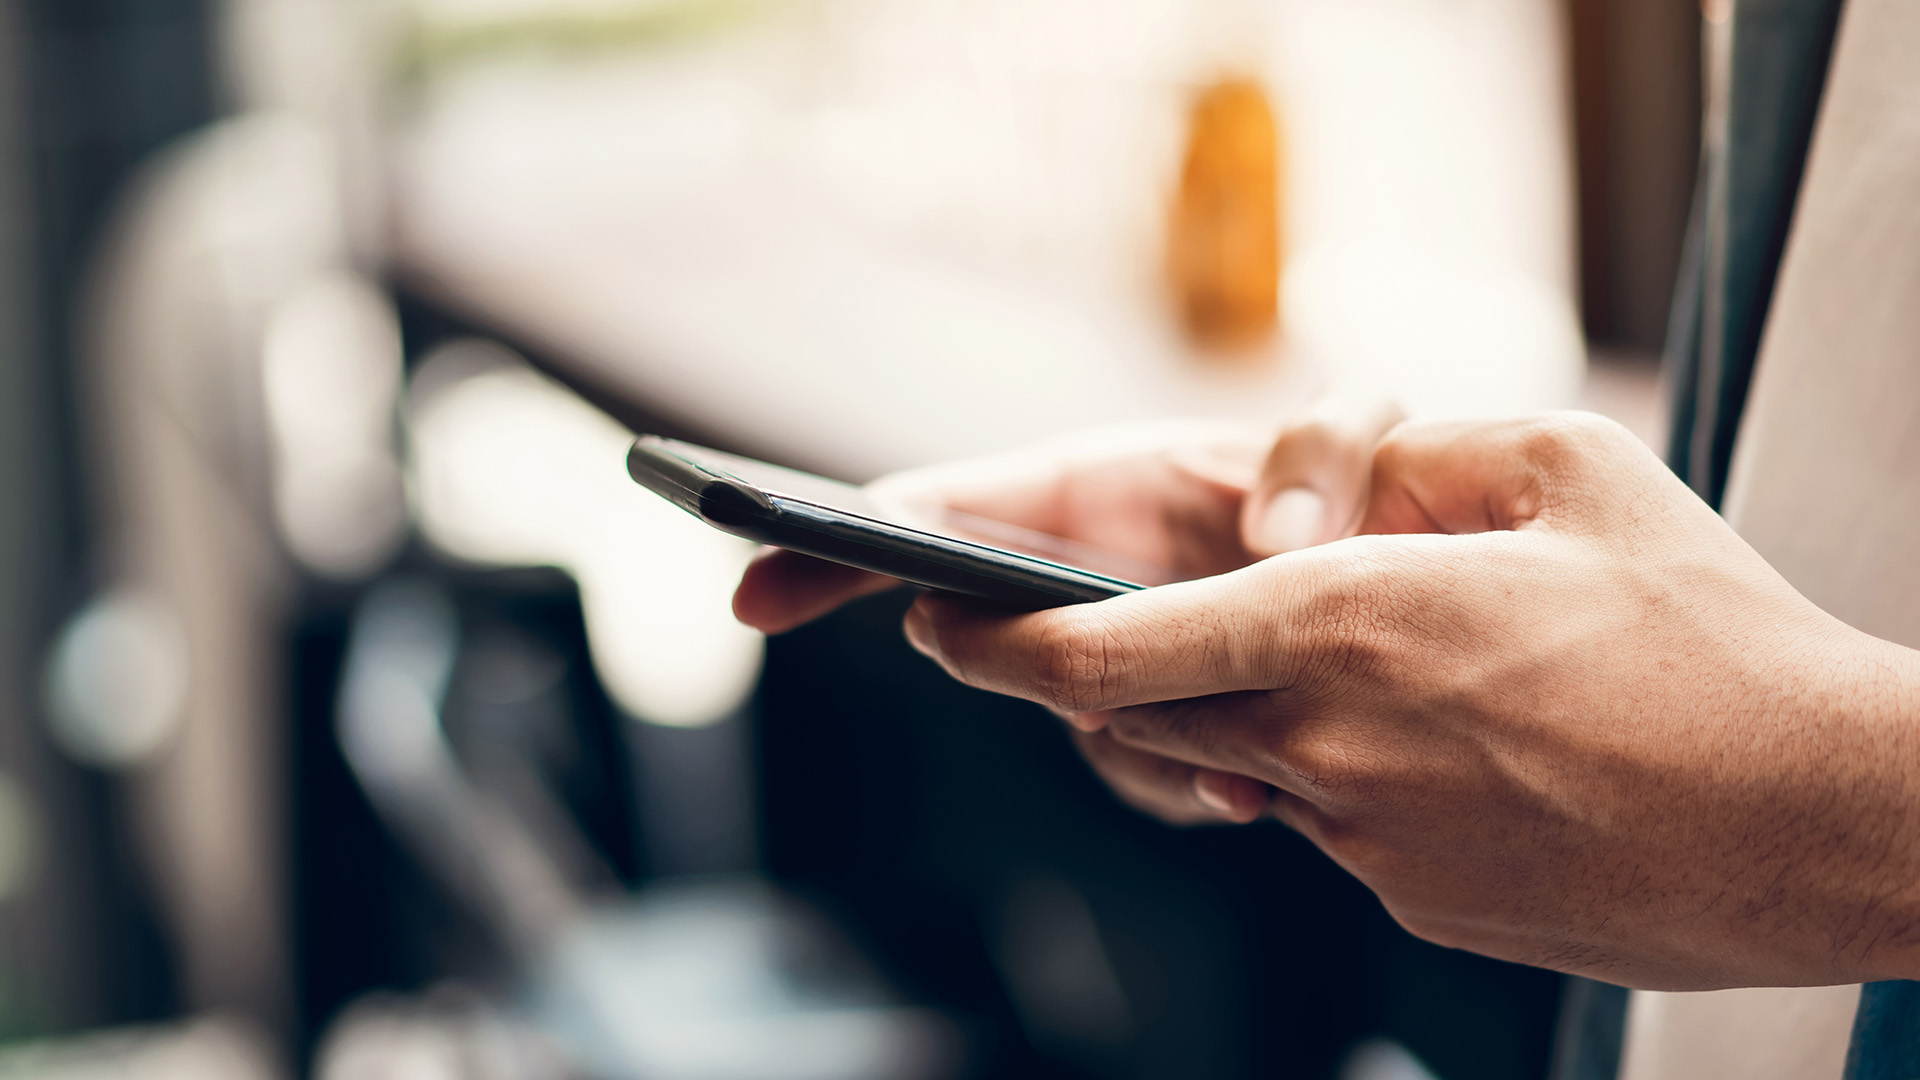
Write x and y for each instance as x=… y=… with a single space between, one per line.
x=1188 y=639
x=781 y=590
x=784 y=589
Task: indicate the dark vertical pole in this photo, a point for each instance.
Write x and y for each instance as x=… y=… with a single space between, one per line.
x=1636 y=97
x=88 y=88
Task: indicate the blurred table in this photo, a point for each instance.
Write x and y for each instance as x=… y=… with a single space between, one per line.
x=863 y=234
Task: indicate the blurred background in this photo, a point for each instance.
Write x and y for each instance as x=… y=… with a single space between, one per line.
x=360 y=719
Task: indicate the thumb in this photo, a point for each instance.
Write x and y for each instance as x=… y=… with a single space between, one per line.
x=1314 y=482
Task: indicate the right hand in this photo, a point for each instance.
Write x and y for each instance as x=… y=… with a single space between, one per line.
x=1198 y=499
x=1549 y=707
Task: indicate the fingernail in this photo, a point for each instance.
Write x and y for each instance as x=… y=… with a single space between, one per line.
x=1213 y=791
x=1296 y=518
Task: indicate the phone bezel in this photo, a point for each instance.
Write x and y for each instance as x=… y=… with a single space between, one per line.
x=676 y=471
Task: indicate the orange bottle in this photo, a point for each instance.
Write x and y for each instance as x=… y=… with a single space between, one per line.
x=1224 y=234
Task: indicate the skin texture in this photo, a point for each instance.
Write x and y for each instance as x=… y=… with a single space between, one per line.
x=1542 y=701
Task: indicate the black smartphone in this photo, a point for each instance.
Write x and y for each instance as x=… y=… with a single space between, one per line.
x=926 y=545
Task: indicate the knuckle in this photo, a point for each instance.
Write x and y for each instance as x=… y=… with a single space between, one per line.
x=1298 y=453
x=1308 y=437
x=1073 y=660
x=1396 y=450
x=1549 y=441
x=1330 y=768
x=1192 y=724
x=1399 y=438
x=1153 y=728
x=1350 y=619
x=1568 y=456
x=1567 y=441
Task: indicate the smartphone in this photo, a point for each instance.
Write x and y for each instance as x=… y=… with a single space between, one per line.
x=923 y=544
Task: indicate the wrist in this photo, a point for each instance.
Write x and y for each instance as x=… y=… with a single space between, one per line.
x=1885 y=932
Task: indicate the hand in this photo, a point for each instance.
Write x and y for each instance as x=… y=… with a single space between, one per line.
x=1550 y=708
x=1199 y=499
x=1196 y=498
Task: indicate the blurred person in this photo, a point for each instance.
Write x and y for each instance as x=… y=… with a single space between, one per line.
x=1519 y=677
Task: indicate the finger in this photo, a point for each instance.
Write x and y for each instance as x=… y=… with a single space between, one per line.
x=1189 y=639
x=1461 y=478
x=1239 y=799
x=1313 y=484
x=1243 y=732
x=1034 y=487
x=1170 y=790
x=1088 y=722
x=783 y=589
x=1027 y=489
x=1048 y=489
x=1283 y=741
x=1165 y=496
x=1297 y=814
